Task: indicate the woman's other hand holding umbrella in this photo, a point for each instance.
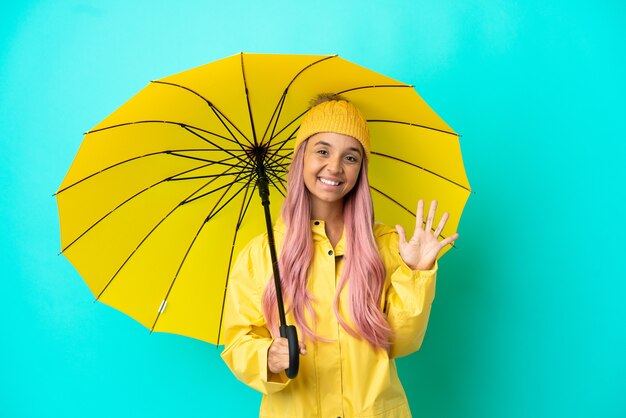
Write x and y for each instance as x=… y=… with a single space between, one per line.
x=278 y=355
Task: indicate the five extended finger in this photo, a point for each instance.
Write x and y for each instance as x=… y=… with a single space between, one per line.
x=401 y=234
x=442 y=224
x=449 y=240
x=431 y=216
x=419 y=215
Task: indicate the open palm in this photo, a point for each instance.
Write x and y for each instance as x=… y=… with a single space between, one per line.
x=420 y=252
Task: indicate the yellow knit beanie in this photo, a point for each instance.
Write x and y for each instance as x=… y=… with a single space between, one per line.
x=338 y=116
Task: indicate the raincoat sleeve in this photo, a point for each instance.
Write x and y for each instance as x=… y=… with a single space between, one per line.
x=409 y=296
x=246 y=336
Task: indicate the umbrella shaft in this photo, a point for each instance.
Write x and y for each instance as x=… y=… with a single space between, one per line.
x=272 y=245
x=264 y=192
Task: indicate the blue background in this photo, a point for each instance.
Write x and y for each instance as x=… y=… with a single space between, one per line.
x=529 y=319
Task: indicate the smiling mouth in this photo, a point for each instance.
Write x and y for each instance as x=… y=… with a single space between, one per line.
x=329 y=182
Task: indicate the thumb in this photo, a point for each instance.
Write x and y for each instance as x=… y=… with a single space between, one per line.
x=401 y=234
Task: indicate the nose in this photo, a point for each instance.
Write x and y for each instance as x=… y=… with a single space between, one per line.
x=335 y=165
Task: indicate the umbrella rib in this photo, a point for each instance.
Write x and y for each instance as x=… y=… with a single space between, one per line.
x=238 y=174
x=180 y=266
x=371 y=120
x=281 y=101
x=222 y=162
x=278 y=165
x=290 y=137
x=412 y=124
x=167 y=152
x=214 y=108
x=276 y=168
x=217 y=147
x=108 y=168
x=246 y=170
x=375 y=86
x=392 y=121
x=308 y=67
x=277 y=159
x=401 y=206
x=421 y=168
x=229 y=185
x=242 y=213
x=178 y=205
x=276 y=171
x=276 y=148
x=279 y=106
x=288 y=125
x=137 y=248
x=393 y=200
x=167 y=122
x=276 y=186
x=207 y=176
x=128 y=200
x=275 y=116
x=280 y=146
x=215 y=211
x=249 y=199
x=245 y=86
x=223 y=117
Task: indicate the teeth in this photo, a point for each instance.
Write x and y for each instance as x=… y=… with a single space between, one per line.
x=329 y=182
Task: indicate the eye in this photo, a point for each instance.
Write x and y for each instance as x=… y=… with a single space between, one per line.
x=322 y=151
x=352 y=159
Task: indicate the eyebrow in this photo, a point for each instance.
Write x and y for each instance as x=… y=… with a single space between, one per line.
x=330 y=145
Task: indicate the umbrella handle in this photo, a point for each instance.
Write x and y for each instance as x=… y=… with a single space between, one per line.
x=290 y=332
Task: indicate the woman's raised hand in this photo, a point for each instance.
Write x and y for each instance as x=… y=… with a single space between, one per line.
x=420 y=252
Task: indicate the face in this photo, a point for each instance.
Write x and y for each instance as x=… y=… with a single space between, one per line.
x=332 y=163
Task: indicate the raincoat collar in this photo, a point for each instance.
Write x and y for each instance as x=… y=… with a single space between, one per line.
x=319 y=234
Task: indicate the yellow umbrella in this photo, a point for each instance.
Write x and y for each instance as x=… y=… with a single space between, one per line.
x=162 y=193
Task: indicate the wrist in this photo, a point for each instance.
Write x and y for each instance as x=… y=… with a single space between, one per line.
x=421 y=266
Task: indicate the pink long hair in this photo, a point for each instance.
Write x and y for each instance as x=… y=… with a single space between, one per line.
x=363 y=268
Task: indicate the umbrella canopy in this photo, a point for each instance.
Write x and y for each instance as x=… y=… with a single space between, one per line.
x=162 y=193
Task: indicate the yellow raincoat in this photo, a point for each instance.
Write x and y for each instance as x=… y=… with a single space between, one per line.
x=343 y=378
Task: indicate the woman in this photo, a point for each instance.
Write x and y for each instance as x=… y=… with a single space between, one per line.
x=358 y=292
